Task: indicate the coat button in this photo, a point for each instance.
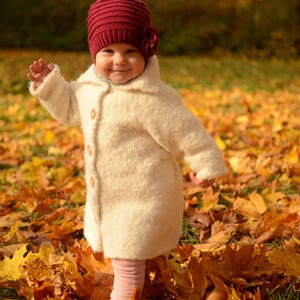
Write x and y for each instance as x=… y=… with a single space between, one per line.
x=93 y=113
x=89 y=150
x=92 y=181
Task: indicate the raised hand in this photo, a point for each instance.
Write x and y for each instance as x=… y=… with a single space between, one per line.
x=38 y=71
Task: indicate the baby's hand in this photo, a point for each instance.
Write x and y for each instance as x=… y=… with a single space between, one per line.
x=201 y=182
x=38 y=71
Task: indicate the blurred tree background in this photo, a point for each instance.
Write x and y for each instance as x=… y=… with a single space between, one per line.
x=269 y=27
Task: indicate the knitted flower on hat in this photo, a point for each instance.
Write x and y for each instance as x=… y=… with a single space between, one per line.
x=121 y=21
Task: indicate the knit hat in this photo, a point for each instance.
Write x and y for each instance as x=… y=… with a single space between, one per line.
x=121 y=21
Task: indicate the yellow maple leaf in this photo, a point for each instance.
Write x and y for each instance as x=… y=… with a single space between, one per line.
x=210 y=200
x=37 y=269
x=10 y=267
x=37 y=264
x=272 y=197
x=258 y=202
x=14 y=229
x=245 y=207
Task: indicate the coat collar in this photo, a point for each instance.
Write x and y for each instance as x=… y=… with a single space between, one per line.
x=148 y=81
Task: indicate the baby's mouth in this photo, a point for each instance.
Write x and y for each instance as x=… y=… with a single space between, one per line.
x=120 y=70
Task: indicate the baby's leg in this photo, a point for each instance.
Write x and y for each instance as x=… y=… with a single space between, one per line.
x=129 y=279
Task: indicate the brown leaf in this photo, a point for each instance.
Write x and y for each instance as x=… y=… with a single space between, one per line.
x=246 y=208
x=198 y=276
x=286 y=262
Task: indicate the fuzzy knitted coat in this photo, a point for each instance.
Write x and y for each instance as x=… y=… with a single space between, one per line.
x=132 y=132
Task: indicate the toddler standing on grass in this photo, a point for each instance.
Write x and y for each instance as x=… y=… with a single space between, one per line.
x=134 y=126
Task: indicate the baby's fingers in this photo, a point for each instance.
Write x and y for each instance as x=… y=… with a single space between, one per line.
x=34 y=77
x=34 y=67
x=40 y=63
x=30 y=76
x=51 y=66
x=37 y=66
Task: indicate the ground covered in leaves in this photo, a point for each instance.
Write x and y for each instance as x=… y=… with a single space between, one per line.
x=241 y=237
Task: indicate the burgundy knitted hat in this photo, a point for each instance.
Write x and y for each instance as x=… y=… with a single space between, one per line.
x=121 y=21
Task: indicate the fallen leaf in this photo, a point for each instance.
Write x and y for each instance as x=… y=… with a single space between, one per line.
x=286 y=261
x=220 y=291
x=246 y=208
x=258 y=202
x=10 y=268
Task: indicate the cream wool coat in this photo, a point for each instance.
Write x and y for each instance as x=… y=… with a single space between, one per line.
x=132 y=134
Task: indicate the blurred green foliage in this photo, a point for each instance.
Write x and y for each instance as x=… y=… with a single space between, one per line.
x=186 y=26
x=47 y=24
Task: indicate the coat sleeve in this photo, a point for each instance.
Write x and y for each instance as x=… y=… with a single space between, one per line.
x=58 y=98
x=181 y=133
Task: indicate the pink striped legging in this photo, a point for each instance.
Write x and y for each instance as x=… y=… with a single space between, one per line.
x=129 y=279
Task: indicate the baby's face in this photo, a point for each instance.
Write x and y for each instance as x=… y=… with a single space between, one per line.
x=120 y=63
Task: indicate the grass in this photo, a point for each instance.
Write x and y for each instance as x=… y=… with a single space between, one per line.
x=222 y=72
x=7 y=293
x=290 y=293
x=190 y=235
x=229 y=72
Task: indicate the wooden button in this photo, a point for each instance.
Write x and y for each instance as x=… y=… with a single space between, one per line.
x=93 y=113
x=92 y=181
x=89 y=150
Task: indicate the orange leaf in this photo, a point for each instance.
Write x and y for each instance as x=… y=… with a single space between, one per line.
x=246 y=208
x=258 y=202
x=286 y=261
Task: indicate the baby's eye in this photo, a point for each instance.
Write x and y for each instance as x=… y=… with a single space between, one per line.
x=131 y=51
x=107 y=51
